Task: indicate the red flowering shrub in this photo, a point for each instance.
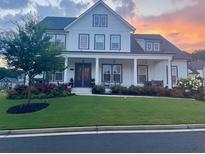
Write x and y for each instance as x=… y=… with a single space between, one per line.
x=176 y=93
x=39 y=91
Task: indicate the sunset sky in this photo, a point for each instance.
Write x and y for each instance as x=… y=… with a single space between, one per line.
x=180 y=21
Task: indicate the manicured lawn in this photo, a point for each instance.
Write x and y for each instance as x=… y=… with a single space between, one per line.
x=91 y=111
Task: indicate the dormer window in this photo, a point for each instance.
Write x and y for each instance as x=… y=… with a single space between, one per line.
x=156 y=46
x=100 y=20
x=149 y=46
x=152 y=46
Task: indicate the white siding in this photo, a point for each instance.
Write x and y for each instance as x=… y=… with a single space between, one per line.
x=182 y=68
x=84 y=26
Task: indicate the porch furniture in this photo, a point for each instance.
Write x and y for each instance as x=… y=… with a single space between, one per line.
x=154 y=83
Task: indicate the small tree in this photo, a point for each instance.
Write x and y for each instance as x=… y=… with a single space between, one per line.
x=28 y=48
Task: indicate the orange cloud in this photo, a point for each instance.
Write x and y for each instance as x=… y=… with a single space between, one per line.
x=185 y=28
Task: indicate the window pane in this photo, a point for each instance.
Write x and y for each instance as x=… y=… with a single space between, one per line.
x=99 y=42
x=115 y=42
x=116 y=69
x=100 y=20
x=84 y=42
x=58 y=76
x=149 y=46
x=156 y=46
x=61 y=40
x=106 y=69
x=107 y=77
x=117 y=78
x=142 y=78
x=106 y=73
x=52 y=37
x=174 y=75
x=142 y=74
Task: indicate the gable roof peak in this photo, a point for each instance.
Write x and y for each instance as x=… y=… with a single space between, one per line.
x=106 y=6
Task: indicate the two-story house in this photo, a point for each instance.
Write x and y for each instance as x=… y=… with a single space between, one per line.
x=101 y=45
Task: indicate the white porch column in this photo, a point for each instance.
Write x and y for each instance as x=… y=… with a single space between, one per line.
x=135 y=72
x=66 y=80
x=169 y=74
x=97 y=71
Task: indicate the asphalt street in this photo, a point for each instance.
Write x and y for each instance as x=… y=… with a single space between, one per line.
x=134 y=142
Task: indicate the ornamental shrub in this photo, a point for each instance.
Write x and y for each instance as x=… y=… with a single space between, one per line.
x=39 y=91
x=98 y=89
x=190 y=83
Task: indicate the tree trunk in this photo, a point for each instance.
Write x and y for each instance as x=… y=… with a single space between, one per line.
x=29 y=89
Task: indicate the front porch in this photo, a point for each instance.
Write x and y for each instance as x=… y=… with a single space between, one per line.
x=112 y=70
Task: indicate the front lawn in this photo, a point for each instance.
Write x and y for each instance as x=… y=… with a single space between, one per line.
x=91 y=111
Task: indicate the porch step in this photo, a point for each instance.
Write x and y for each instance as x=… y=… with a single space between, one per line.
x=82 y=91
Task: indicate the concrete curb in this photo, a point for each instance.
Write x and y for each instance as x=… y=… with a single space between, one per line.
x=102 y=128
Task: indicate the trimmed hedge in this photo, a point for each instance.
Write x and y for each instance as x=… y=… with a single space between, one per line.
x=151 y=91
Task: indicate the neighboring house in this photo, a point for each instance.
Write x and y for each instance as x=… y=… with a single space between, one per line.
x=101 y=45
x=197 y=67
x=7 y=83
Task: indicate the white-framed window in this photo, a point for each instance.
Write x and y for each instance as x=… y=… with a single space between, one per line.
x=156 y=46
x=58 y=38
x=117 y=73
x=100 y=20
x=99 y=42
x=142 y=73
x=55 y=77
x=149 y=46
x=58 y=77
x=107 y=69
x=83 y=41
x=174 y=75
x=112 y=73
x=115 y=42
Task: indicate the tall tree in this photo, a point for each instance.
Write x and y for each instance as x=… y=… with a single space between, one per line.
x=199 y=55
x=28 y=48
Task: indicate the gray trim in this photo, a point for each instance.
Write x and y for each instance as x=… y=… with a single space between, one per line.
x=95 y=41
x=88 y=41
x=111 y=41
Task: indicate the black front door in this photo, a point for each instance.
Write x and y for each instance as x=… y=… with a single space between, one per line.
x=82 y=75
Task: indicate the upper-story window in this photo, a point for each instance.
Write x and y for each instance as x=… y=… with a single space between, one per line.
x=99 y=43
x=83 y=41
x=156 y=46
x=100 y=20
x=58 y=38
x=149 y=46
x=115 y=42
x=152 y=46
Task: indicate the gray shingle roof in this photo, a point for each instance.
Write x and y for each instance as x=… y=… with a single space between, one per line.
x=57 y=23
x=166 y=47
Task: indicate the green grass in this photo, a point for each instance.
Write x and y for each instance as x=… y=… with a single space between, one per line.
x=91 y=111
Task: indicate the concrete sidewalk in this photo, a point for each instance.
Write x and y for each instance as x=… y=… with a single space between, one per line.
x=102 y=128
x=132 y=96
